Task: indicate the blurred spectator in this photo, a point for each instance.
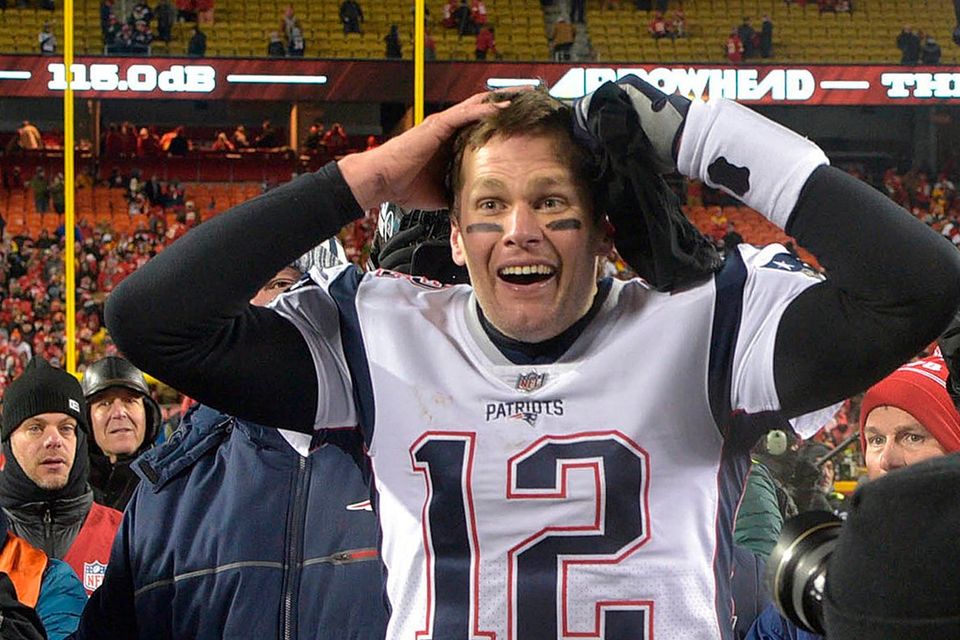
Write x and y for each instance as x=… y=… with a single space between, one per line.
x=351 y=15
x=128 y=139
x=813 y=480
x=29 y=136
x=239 y=137
x=166 y=17
x=197 y=47
x=12 y=178
x=48 y=41
x=679 y=23
x=41 y=190
x=106 y=10
x=313 y=143
x=392 y=40
x=930 y=51
x=123 y=43
x=297 y=44
x=142 y=38
x=827 y=6
x=909 y=44
x=222 y=142
x=140 y=11
x=429 y=46
x=335 y=140
x=167 y=139
x=175 y=195
x=371 y=142
x=204 y=9
x=275 y=46
x=449 y=9
x=658 y=26
x=111 y=33
x=148 y=144
x=186 y=10
x=766 y=37
x=269 y=137
x=486 y=43
x=747 y=35
x=463 y=20
x=578 y=10
x=287 y=20
x=478 y=12
x=57 y=195
x=562 y=37
x=734 y=47
x=116 y=180
x=153 y=190
x=135 y=184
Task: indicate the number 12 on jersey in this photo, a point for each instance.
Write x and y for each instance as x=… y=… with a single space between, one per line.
x=538 y=565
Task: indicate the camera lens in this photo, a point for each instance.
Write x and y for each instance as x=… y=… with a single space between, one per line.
x=797 y=567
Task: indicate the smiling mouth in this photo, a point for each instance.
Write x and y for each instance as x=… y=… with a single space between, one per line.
x=526 y=274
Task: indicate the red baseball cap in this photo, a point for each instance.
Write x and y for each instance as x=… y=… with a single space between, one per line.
x=920 y=389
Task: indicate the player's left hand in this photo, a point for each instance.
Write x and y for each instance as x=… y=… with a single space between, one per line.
x=661 y=116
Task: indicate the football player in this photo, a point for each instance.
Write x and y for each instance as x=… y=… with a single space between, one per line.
x=554 y=455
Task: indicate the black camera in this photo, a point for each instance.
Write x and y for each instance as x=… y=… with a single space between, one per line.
x=797 y=567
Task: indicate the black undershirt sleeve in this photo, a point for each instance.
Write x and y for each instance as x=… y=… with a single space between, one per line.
x=892 y=286
x=185 y=318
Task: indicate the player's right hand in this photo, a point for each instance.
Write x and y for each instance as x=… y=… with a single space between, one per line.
x=408 y=169
x=661 y=117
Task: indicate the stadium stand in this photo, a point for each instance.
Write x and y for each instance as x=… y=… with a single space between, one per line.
x=801 y=33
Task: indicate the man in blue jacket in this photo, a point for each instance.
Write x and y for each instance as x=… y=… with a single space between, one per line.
x=212 y=547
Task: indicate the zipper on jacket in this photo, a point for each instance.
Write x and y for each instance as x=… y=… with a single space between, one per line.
x=293 y=552
x=48 y=527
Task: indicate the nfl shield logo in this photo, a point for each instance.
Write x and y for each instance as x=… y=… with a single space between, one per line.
x=530 y=381
x=93 y=574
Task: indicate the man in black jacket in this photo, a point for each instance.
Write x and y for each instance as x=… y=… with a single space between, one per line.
x=43 y=488
x=125 y=420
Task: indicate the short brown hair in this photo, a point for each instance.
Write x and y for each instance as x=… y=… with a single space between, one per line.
x=533 y=112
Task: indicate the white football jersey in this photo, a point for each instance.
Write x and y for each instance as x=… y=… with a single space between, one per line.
x=589 y=498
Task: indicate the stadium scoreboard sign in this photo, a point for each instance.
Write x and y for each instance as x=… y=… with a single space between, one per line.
x=271 y=79
x=137 y=78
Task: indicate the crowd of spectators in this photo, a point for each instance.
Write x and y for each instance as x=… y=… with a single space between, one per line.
x=121 y=140
x=132 y=34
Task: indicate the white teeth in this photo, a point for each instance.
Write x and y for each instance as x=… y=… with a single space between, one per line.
x=526 y=270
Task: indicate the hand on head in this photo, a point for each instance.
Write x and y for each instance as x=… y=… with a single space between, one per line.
x=408 y=169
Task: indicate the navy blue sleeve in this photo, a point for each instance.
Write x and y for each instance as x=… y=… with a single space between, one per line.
x=184 y=317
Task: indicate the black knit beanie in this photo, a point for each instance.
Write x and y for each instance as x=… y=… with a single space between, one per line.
x=42 y=388
x=892 y=575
